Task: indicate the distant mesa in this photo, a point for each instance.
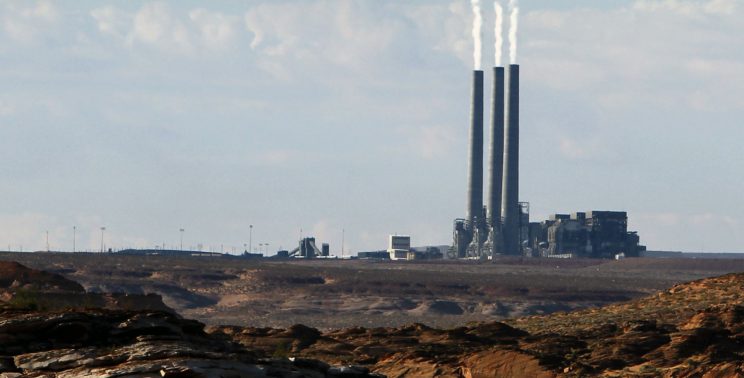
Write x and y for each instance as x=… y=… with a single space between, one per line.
x=25 y=288
x=14 y=276
x=168 y=252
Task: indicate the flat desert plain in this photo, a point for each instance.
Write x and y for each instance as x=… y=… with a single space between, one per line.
x=332 y=294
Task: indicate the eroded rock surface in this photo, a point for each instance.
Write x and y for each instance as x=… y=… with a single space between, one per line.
x=22 y=287
x=691 y=330
x=14 y=276
x=328 y=294
x=115 y=343
x=50 y=327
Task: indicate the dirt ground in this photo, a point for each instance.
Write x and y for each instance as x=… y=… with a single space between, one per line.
x=344 y=293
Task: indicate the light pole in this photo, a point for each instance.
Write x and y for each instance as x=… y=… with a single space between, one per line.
x=74 y=232
x=267 y=248
x=102 y=230
x=181 y=230
x=250 y=238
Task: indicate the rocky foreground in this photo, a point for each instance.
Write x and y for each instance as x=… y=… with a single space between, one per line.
x=691 y=330
x=106 y=343
x=120 y=336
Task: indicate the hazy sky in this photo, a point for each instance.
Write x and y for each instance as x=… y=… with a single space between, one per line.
x=146 y=117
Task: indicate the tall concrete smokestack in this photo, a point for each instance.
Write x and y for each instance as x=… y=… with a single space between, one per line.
x=475 y=162
x=510 y=197
x=496 y=164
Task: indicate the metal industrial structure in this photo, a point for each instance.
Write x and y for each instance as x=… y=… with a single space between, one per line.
x=496 y=229
x=307 y=249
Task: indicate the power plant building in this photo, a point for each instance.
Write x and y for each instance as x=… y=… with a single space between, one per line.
x=502 y=227
x=597 y=234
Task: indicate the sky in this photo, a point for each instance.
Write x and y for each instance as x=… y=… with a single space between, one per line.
x=348 y=120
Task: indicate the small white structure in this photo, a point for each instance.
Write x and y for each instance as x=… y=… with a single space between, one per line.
x=399 y=247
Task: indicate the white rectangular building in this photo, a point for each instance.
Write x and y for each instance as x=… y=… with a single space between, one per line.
x=399 y=247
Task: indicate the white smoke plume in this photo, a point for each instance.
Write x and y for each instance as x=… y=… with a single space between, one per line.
x=477 y=33
x=498 y=32
x=513 y=26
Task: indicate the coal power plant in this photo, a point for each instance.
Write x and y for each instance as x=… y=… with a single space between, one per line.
x=492 y=230
x=503 y=227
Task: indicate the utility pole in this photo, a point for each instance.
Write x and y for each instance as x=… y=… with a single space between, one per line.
x=181 y=230
x=343 y=236
x=102 y=230
x=250 y=239
x=74 y=234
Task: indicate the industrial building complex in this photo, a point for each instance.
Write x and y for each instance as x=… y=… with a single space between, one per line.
x=503 y=226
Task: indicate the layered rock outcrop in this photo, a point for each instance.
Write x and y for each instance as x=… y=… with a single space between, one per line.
x=22 y=287
x=115 y=343
x=96 y=336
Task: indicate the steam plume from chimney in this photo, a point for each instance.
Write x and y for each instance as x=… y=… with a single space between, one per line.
x=477 y=33
x=498 y=31
x=513 y=27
